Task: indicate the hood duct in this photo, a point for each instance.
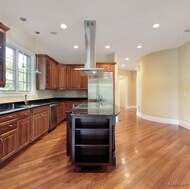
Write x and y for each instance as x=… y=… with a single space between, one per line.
x=90 y=50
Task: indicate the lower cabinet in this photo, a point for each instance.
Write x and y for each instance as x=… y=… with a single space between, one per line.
x=8 y=144
x=23 y=129
x=93 y=141
x=61 y=108
x=40 y=122
x=8 y=136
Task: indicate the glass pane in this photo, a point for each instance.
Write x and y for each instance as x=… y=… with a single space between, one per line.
x=10 y=85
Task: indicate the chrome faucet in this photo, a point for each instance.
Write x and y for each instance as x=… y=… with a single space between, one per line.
x=101 y=99
x=26 y=100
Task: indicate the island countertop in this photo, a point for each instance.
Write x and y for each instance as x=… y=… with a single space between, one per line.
x=95 y=108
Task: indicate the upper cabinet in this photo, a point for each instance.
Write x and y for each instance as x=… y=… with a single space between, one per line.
x=108 y=67
x=74 y=80
x=3 y=30
x=48 y=79
x=62 y=77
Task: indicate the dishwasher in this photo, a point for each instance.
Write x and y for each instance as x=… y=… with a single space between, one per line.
x=53 y=117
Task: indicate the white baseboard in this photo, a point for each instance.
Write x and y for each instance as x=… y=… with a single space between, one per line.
x=184 y=124
x=164 y=120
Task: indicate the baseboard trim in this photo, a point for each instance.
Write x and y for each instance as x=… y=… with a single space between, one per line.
x=163 y=120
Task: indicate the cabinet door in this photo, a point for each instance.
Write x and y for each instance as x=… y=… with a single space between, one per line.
x=48 y=74
x=3 y=30
x=108 y=67
x=36 y=127
x=8 y=144
x=62 y=81
x=23 y=131
x=75 y=80
x=44 y=122
x=54 y=75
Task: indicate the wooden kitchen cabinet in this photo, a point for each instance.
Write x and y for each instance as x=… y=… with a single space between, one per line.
x=74 y=80
x=108 y=67
x=40 y=122
x=61 y=108
x=23 y=129
x=48 y=79
x=3 y=30
x=8 y=136
x=62 y=77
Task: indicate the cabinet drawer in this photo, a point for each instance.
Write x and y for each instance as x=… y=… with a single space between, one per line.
x=40 y=109
x=8 y=126
x=8 y=117
x=23 y=114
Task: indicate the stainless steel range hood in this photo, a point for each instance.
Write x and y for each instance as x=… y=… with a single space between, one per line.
x=90 y=50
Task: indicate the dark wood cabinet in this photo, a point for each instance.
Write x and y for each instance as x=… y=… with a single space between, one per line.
x=48 y=79
x=74 y=80
x=3 y=30
x=40 y=122
x=62 y=77
x=23 y=129
x=108 y=67
x=8 y=136
x=61 y=108
x=92 y=140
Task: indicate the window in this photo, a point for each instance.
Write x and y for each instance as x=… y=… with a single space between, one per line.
x=18 y=70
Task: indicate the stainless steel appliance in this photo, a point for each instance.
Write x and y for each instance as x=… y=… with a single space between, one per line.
x=100 y=89
x=53 y=116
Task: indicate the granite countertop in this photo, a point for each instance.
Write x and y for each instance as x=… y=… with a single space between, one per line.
x=18 y=106
x=95 y=108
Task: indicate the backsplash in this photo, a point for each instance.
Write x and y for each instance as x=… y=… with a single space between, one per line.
x=44 y=95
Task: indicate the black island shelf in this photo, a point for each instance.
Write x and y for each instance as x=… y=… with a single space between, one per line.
x=91 y=135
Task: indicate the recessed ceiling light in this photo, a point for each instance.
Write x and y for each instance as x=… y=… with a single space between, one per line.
x=76 y=47
x=63 y=26
x=54 y=33
x=126 y=58
x=123 y=65
x=155 y=25
x=188 y=30
x=107 y=46
x=139 y=46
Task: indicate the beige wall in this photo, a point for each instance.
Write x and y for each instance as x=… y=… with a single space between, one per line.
x=158 y=84
x=131 y=75
x=184 y=83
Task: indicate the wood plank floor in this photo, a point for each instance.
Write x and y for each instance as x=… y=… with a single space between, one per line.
x=149 y=155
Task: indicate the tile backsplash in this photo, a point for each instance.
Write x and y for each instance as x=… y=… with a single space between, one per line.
x=43 y=95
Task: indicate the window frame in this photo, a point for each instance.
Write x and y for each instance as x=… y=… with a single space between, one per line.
x=19 y=48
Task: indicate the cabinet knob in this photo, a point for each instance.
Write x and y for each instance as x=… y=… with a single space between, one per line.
x=10 y=116
x=10 y=125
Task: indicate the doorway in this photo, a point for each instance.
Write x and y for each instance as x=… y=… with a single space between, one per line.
x=123 y=91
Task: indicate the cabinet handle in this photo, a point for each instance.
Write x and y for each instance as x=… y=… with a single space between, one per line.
x=25 y=113
x=1 y=140
x=10 y=125
x=10 y=116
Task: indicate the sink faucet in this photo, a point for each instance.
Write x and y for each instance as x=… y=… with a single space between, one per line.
x=25 y=100
x=101 y=99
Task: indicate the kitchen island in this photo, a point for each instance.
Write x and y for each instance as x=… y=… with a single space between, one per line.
x=91 y=134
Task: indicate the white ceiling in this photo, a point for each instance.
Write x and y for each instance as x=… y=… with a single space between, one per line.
x=122 y=24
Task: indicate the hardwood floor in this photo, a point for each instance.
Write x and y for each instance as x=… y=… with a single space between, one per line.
x=149 y=155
